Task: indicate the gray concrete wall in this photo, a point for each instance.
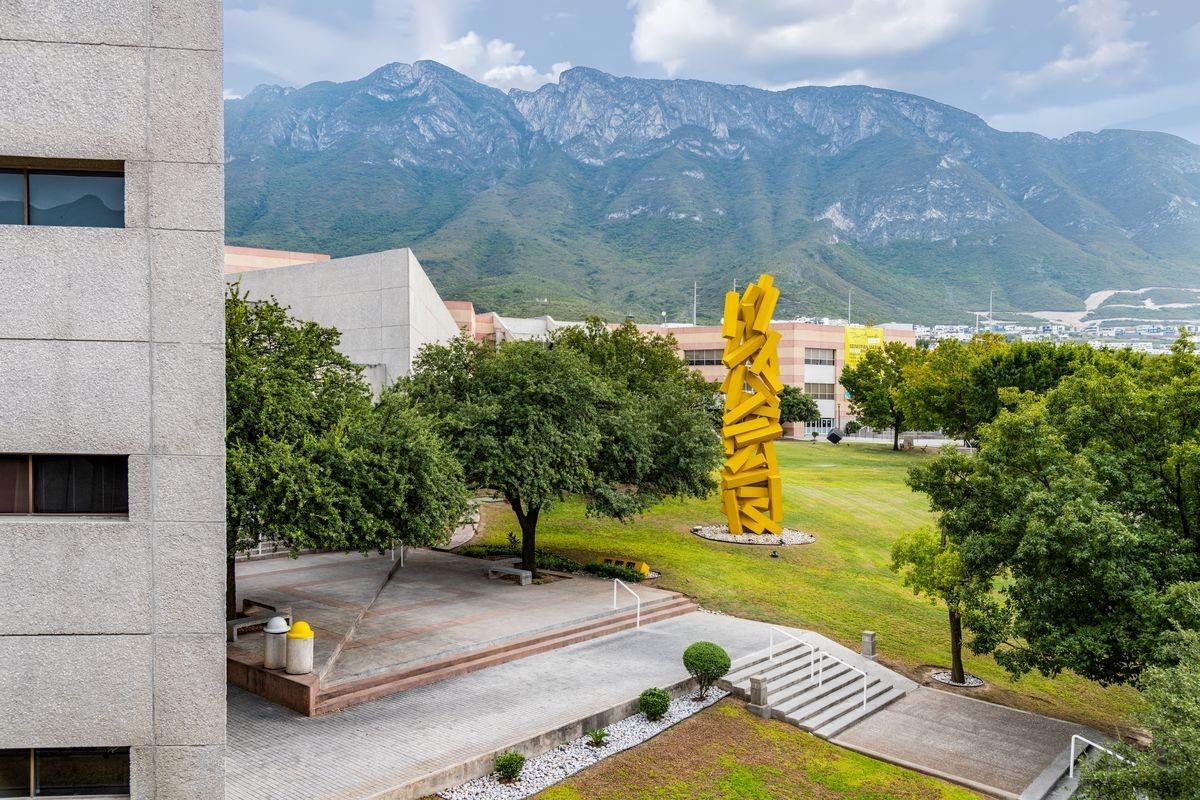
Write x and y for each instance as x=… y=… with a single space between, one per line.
x=111 y=341
x=383 y=304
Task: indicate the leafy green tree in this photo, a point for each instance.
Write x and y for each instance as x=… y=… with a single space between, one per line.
x=875 y=386
x=1169 y=768
x=1087 y=499
x=796 y=406
x=612 y=416
x=310 y=463
x=958 y=386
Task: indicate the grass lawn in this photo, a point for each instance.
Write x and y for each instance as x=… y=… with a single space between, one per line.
x=854 y=499
x=725 y=753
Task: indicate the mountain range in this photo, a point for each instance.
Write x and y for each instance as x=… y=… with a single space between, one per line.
x=611 y=195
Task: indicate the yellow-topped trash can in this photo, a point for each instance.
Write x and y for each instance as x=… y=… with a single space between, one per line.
x=300 y=649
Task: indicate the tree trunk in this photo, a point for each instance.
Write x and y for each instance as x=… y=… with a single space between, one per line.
x=230 y=589
x=957 y=674
x=529 y=541
x=896 y=436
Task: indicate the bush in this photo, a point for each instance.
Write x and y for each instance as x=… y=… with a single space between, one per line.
x=509 y=765
x=603 y=570
x=597 y=737
x=707 y=663
x=544 y=560
x=852 y=427
x=654 y=703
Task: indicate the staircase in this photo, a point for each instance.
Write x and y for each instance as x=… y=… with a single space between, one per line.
x=342 y=695
x=812 y=688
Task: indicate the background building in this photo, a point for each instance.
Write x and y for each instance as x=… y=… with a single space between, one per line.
x=383 y=303
x=112 y=477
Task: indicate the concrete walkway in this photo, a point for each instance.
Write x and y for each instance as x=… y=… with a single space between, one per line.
x=992 y=748
x=375 y=749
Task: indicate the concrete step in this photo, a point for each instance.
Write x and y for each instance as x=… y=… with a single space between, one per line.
x=802 y=694
x=355 y=692
x=813 y=710
x=835 y=715
x=742 y=669
x=780 y=673
x=844 y=720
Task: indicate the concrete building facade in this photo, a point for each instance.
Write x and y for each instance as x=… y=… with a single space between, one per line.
x=383 y=304
x=112 y=480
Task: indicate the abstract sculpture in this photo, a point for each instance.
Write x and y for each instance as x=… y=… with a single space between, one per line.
x=751 y=490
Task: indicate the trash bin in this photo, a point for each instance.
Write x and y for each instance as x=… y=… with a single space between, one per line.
x=300 y=649
x=275 y=643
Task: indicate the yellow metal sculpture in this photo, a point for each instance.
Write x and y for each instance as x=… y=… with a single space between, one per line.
x=751 y=490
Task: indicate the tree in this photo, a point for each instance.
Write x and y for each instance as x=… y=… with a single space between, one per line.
x=612 y=416
x=796 y=406
x=875 y=386
x=310 y=463
x=1169 y=768
x=1087 y=498
x=957 y=387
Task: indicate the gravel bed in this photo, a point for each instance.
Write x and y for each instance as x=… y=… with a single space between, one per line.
x=943 y=676
x=720 y=533
x=567 y=759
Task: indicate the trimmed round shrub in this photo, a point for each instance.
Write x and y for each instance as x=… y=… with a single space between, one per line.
x=654 y=703
x=707 y=663
x=509 y=765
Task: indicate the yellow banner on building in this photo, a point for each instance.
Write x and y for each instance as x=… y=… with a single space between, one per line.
x=860 y=339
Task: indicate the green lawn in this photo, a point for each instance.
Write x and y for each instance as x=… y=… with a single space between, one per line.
x=724 y=753
x=854 y=499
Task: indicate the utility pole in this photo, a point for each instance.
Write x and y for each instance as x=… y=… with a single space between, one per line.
x=849 y=301
x=695 y=285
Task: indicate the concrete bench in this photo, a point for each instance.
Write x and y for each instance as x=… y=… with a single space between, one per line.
x=524 y=576
x=256 y=614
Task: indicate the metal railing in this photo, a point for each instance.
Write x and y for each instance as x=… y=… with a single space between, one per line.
x=635 y=596
x=811 y=648
x=1086 y=741
x=822 y=655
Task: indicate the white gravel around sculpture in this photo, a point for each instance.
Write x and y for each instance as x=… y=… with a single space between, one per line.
x=567 y=759
x=720 y=533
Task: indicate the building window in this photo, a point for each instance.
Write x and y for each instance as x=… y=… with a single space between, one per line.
x=93 y=198
x=64 y=484
x=64 y=772
x=819 y=391
x=819 y=356
x=703 y=358
x=823 y=425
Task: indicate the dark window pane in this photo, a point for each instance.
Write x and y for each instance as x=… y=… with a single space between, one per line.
x=81 y=771
x=14 y=485
x=14 y=773
x=77 y=198
x=12 y=197
x=80 y=485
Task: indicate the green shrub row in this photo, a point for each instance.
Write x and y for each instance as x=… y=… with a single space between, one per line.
x=613 y=571
x=545 y=560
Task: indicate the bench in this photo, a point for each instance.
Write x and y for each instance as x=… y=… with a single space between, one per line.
x=524 y=576
x=251 y=620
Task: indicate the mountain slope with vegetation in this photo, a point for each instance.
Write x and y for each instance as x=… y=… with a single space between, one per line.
x=611 y=194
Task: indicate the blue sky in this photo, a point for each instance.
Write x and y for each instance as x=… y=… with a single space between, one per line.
x=1050 y=66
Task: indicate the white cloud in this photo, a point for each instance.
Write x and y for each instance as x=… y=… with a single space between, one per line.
x=1101 y=51
x=299 y=48
x=853 y=77
x=679 y=33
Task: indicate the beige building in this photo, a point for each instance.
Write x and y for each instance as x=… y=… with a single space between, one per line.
x=811 y=355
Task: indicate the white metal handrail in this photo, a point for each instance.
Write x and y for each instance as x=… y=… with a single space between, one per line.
x=1077 y=737
x=811 y=648
x=821 y=672
x=635 y=595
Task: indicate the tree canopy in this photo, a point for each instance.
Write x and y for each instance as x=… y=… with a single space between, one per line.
x=613 y=416
x=796 y=406
x=1086 y=498
x=310 y=462
x=875 y=386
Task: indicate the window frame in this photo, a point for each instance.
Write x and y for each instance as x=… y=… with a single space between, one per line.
x=31 y=488
x=706 y=360
x=31 y=758
x=61 y=166
x=821 y=396
x=832 y=362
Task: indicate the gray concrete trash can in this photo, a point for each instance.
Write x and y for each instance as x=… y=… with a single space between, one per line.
x=275 y=643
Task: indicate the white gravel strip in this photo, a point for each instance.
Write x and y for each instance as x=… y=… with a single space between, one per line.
x=720 y=533
x=567 y=759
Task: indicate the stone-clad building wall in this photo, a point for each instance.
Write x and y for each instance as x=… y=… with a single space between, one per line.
x=111 y=342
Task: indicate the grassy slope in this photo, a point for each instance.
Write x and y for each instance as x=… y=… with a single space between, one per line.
x=724 y=753
x=855 y=500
